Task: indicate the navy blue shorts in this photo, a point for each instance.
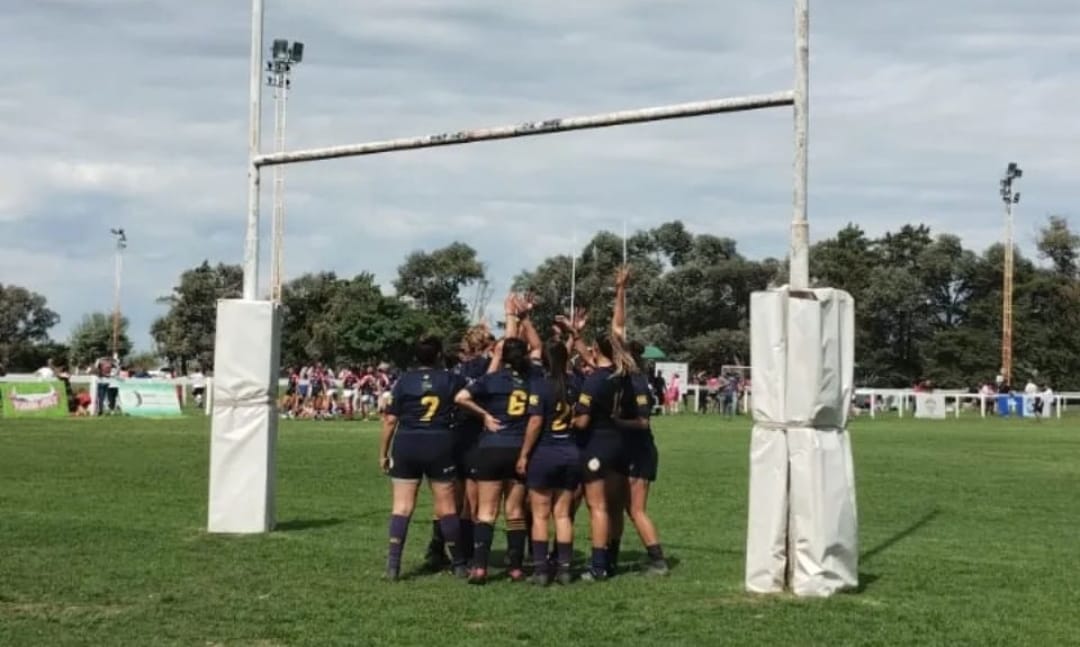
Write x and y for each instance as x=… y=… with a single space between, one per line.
x=554 y=467
x=642 y=458
x=414 y=456
x=494 y=464
x=464 y=445
x=603 y=454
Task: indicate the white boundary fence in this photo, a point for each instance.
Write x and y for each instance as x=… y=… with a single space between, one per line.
x=878 y=401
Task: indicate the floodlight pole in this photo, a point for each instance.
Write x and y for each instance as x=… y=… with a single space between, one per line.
x=1013 y=172
x=283 y=57
x=251 y=237
x=799 y=257
x=121 y=244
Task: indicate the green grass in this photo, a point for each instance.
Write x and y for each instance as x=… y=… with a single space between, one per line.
x=969 y=531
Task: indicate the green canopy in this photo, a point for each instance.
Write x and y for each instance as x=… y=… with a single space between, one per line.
x=652 y=352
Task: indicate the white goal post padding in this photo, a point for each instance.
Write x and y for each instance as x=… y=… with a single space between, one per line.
x=243 y=428
x=802 y=528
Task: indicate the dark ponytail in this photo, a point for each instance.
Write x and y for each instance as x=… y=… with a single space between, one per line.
x=515 y=354
x=556 y=359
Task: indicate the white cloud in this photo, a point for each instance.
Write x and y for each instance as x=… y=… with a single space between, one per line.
x=133 y=113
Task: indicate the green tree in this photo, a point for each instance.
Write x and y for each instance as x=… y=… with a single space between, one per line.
x=186 y=332
x=92 y=339
x=433 y=280
x=1058 y=244
x=25 y=320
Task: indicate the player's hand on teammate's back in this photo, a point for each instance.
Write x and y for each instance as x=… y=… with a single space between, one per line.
x=492 y=424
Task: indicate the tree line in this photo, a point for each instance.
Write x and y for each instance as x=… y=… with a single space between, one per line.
x=927 y=308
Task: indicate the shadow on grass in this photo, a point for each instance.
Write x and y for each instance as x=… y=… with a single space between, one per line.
x=900 y=536
x=306 y=524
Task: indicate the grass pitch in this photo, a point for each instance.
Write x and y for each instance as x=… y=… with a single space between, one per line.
x=969 y=533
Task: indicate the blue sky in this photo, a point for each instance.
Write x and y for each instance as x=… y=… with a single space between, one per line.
x=132 y=113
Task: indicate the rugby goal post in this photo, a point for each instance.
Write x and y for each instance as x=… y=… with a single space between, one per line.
x=244 y=420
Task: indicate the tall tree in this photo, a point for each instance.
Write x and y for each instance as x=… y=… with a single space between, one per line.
x=186 y=332
x=1058 y=244
x=92 y=339
x=433 y=283
x=25 y=320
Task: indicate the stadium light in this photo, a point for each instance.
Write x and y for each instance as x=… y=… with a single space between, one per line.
x=283 y=56
x=1012 y=173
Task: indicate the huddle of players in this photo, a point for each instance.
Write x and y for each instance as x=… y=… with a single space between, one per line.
x=518 y=424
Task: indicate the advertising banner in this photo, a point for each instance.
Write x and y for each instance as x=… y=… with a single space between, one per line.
x=669 y=371
x=147 y=398
x=930 y=405
x=38 y=399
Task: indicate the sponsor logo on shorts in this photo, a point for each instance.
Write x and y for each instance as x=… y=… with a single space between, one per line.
x=594 y=464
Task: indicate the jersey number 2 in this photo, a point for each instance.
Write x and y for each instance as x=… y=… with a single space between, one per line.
x=432 y=404
x=518 y=400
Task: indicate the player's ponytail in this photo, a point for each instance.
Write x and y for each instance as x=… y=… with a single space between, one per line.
x=515 y=354
x=556 y=359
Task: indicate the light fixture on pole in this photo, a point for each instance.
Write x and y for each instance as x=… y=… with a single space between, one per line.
x=1012 y=172
x=121 y=245
x=283 y=56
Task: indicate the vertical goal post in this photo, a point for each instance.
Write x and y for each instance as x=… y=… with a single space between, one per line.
x=244 y=420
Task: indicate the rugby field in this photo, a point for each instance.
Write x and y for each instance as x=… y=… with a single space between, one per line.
x=970 y=534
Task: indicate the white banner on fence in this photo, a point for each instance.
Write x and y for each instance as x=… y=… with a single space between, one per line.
x=930 y=405
x=668 y=371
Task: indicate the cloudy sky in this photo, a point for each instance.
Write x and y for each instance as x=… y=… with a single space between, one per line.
x=133 y=113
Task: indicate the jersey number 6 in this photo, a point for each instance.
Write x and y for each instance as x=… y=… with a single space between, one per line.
x=517 y=403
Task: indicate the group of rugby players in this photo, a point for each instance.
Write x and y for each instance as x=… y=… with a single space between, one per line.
x=533 y=429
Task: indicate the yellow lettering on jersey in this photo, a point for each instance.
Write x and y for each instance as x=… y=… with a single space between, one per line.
x=432 y=404
x=562 y=417
x=516 y=405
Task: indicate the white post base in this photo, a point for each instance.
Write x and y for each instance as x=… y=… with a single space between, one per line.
x=243 y=427
x=802 y=529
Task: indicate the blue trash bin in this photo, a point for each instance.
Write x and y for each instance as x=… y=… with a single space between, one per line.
x=1003 y=405
x=1018 y=405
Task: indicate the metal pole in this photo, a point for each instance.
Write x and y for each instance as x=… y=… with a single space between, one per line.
x=799 y=257
x=532 y=128
x=573 y=276
x=116 y=300
x=251 y=238
x=1007 y=298
x=281 y=99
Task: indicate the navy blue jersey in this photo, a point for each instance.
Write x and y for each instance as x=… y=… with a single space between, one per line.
x=558 y=411
x=505 y=395
x=423 y=400
x=597 y=399
x=636 y=399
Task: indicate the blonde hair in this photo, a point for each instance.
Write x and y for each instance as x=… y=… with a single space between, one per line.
x=475 y=340
x=622 y=361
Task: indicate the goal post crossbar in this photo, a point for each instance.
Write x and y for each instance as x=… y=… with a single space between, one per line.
x=532 y=128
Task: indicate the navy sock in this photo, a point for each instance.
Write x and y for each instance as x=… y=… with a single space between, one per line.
x=565 y=553
x=450 y=526
x=399 y=529
x=599 y=560
x=613 y=553
x=516 y=536
x=466 y=542
x=438 y=540
x=539 y=551
x=482 y=535
x=655 y=552
x=515 y=542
